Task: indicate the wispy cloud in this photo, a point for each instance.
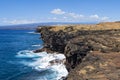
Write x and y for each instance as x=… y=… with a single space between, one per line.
x=71 y=16
x=104 y=18
x=57 y=11
x=74 y=15
x=94 y=16
x=18 y=21
x=99 y=18
x=58 y=15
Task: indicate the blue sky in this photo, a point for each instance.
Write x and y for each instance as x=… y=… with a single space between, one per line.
x=35 y=11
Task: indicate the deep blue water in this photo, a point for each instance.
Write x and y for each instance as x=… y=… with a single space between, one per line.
x=11 y=42
x=19 y=62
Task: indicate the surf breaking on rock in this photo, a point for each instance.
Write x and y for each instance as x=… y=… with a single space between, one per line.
x=45 y=61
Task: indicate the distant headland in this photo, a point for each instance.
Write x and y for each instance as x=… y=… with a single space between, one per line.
x=33 y=26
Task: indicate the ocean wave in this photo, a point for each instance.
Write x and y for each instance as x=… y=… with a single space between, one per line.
x=32 y=32
x=36 y=45
x=45 y=61
x=29 y=54
x=61 y=71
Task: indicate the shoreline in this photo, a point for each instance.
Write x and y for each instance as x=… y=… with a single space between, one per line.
x=88 y=48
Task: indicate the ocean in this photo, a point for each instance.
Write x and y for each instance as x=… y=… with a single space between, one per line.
x=19 y=62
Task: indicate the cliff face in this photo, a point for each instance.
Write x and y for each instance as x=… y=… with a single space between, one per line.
x=92 y=52
x=97 y=66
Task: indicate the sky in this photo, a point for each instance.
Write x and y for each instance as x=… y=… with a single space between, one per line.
x=38 y=11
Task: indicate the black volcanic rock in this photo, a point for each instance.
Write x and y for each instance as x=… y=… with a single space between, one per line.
x=79 y=46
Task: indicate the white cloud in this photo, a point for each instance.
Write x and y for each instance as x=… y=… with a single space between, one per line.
x=54 y=18
x=74 y=15
x=17 y=21
x=57 y=11
x=60 y=17
x=104 y=18
x=64 y=17
x=71 y=16
x=94 y=16
x=61 y=12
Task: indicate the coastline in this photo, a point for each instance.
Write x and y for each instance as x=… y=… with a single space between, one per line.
x=92 y=51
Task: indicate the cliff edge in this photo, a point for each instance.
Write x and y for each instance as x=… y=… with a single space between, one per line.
x=92 y=51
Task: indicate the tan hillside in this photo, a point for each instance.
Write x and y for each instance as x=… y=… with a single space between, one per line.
x=100 y=26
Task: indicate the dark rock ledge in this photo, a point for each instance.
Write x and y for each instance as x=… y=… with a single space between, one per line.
x=90 y=54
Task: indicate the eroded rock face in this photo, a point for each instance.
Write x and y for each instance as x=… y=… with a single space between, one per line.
x=97 y=66
x=75 y=51
x=55 y=41
x=89 y=53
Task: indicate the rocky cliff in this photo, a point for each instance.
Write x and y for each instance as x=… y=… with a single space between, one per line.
x=92 y=51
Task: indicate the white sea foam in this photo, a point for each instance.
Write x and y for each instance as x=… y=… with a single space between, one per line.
x=29 y=54
x=61 y=70
x=32 y=32
x=44 y=61
x=36 y=45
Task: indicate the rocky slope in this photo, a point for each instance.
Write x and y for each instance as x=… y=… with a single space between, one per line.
x=92 y=51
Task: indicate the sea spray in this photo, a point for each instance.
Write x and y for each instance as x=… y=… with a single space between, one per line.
x=43 y=61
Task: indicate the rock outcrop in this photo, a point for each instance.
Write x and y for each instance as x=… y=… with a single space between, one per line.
x=92 y=51
x=97 y=66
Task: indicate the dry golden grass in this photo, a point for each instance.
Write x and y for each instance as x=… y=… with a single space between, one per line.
x=100 y=26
